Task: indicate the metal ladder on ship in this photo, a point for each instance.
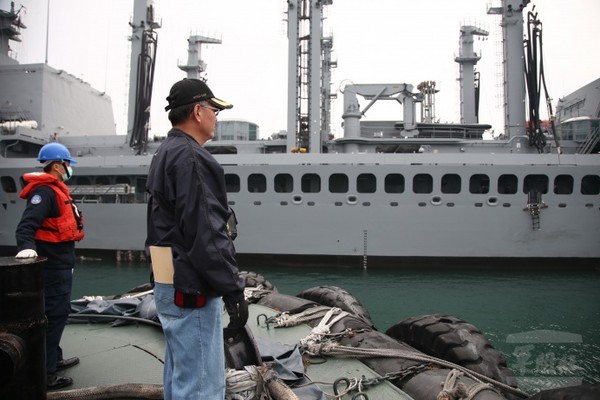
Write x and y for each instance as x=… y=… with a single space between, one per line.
x=590 y=142
x=535 y=206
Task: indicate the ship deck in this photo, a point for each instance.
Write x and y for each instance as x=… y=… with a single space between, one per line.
x=134 y=354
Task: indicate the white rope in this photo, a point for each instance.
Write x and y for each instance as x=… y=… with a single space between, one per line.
x=256 y=293
x=246 y=384
x=323 y=328
x=285 y=319
x=478 y=387
x=453 y=389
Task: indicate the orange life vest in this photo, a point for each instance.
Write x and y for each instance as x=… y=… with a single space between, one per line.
x=68 y=226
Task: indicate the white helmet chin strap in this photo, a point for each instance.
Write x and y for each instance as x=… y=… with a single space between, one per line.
x=68 y=173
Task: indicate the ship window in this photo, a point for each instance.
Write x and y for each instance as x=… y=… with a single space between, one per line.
x=102 y=180
x=590 y=184
x=479 y=183
x=284 y=183
x=563 y=184
x=82 y=180
x=257 y=183
x=232 y=183
x=140 y=189
x=537 y=183
x=338 y=183
x=311 y=183
x=366 y=183
x=507 y=184
x=8 y=184
x=422 y=183
x=394 y=183
x=122 y=179
x=451 y=183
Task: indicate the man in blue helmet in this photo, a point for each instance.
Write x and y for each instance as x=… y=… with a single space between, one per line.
x=49 y=227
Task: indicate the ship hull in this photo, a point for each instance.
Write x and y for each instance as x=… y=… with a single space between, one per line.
x=300 y=226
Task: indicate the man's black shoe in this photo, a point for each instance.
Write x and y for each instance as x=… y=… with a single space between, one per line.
x=68 y=363
x=54 y=381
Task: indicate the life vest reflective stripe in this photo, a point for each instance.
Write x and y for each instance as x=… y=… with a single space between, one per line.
x=68 y=226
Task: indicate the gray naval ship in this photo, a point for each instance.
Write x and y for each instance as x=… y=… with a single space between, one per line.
x=400 y=192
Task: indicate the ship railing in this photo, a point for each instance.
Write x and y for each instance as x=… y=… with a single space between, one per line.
x=117 y=193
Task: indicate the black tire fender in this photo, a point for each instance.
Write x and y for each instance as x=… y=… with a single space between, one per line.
x=454 y=340
x=253 y=279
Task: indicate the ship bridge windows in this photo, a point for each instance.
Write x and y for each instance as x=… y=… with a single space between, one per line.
x=232 y=183
x=257 y=183
x=394 y=183
x=422 y=183
x=338 y=183
x=284 y=183
x=366 y=183
x=535 y=183
x=479 y=184
x=451 y=183
x=563 y=184
x=590 y=184
x=311 y=183
x=508 y=184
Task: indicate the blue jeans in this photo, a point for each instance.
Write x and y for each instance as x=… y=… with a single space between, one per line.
x=194 y=356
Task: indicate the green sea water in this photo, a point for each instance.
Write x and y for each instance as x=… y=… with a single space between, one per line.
x=546 y=323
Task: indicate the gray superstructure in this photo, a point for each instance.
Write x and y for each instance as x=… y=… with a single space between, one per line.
x=399 y=192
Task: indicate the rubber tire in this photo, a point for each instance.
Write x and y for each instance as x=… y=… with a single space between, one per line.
x=253 y=279
x=454 y=340
x=334 y=296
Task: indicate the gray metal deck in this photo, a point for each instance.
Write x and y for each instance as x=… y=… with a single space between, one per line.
x=134 y=354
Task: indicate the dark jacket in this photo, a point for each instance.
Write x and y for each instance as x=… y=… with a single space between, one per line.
x=188 y=210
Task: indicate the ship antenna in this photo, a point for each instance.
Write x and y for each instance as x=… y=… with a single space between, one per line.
x=47 y=31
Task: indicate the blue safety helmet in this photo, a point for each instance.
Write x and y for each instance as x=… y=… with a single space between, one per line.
x=55 y=152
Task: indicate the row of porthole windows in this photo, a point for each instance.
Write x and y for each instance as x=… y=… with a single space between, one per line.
x=393 y=183
x=421 y=183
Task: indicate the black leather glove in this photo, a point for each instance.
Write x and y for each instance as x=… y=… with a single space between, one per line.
x=238 y=313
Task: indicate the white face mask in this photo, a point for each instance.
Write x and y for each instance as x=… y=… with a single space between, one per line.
x=66 y=176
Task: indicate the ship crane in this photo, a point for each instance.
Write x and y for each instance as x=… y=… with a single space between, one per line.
x=401 y=92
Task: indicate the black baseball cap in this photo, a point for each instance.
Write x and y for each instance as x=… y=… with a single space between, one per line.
x=189 y=91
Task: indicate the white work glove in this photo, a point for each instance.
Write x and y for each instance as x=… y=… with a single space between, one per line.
x=27 y=253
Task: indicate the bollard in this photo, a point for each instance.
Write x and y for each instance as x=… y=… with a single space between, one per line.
x=22 y=329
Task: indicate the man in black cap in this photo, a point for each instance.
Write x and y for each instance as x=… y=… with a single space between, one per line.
x=193 y=258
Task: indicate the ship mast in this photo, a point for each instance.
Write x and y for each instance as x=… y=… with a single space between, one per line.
x=143 y=50
x=467 y=60
x=514 y=65
x=10 y=29
x=309 y=60
x=195 y=66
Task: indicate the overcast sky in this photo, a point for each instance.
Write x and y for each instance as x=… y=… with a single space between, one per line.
x=375 y=41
